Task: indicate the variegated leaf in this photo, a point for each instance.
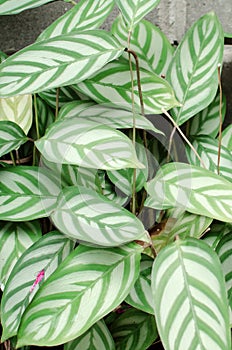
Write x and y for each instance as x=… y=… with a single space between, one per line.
x=112 y=85
x=17 y=109
x=27 y=193
x=227 y=138
x=153 y=49
x=10 y=7
x=123 y=179
x=134 y=330
x=207 y=148
x=15 y=238
x=11 y=137
x=207 y=121
x=191 y=188
x=59 y=61
x=113 y=117
x=44 y=255
x=85 y=215
x=89 y=284
x=95 y=338
x=87 y=14
x=193 y=72
x=217 y=231
x=134 y=10
x=190 y=301
x=45 y=118
x=65 y=95
x=224 y=251
x=82 y=142
x=140 y=295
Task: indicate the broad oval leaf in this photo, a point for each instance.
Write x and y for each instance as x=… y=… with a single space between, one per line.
x=134 y=10
x=207 y=121
x=140 y=295
x=112 y=85
x=190 y=302
x=11 y=7
x=11 y=137
x=15 y=238
x=89 y=284
x=153 y=49
x=27 y=193
x=207 y=148
x=44 y=255
x=95 y=338
x=87 y=14
x=82 y=142
x=85 y=215
x=17 y=109
x=113 y=117
x=193 y=72
x=59 y=61
x=191 y=188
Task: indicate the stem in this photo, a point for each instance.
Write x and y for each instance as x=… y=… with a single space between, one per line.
x=220 y=122
x=12 y=158
x=36 y=117
x=57 y=102
x=184 y=137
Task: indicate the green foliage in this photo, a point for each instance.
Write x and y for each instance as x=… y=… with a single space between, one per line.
x=112 y=235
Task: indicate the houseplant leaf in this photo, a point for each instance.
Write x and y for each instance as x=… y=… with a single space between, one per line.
x=95 y=338
x=82 y=142
x=227 y=138
x=66 y=94
x=112 y=85
x=46 y=254
x=134 y=330
x=89 y=284
x=85 y=215
x=15 y=238
x=134 y=10
x=140 y=295
x=14 y=6
x=17 y=109
x=153 y=49
x=193 y=71
x=11 y=137
x=191 y=188
x=87 y=14
x=27 y=193
x=59 y=61
x=190 y=301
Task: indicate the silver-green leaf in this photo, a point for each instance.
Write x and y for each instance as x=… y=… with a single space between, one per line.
x=11 y=137
x=11 y=7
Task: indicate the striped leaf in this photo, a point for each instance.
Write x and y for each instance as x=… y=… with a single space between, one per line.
x=89 y=284
x=140 y=295
x=207 y=148
x=82 y=142
x=134 y=10
x=191 y=188
x=45 y=118
x=227 y=138
x=123 y=179
x=14 y=240
x=11 y=137
x=193 y=71
x=207 y=121
x=113 y=85
x=95 y=338
x=27 y=193
x=66 y=94
x=113 y=117
x=190 y=302
x=134 y=330
x=17 y=109
x=83 y=214
x=224 y=251
x=184 y=225
x=217 y=231
x=46 y=254
x=10 y=7
x=59 y=61
x=87 y=14
x=150 y=44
